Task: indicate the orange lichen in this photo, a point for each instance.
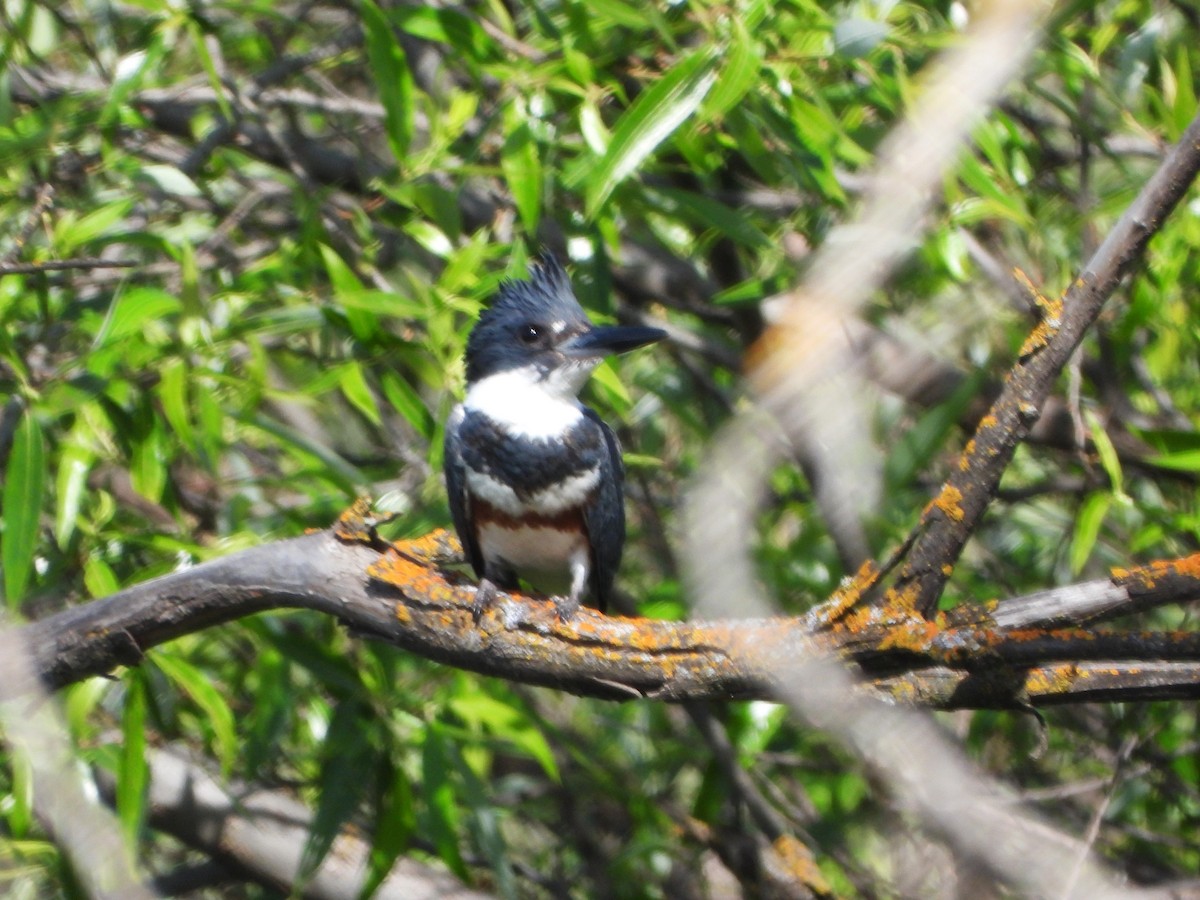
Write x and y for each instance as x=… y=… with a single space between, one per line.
x=916 y=636
x=1049 y=680
x=798 y=861
x=354 y=525
x=948 y=502
x=439 y=544
x=988 y=421
x=849 y=594
x=964 y=461
x=1146 y=578
x=1052 y=313
x=412 y=578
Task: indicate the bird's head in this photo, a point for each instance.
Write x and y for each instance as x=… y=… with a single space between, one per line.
x=537 y=327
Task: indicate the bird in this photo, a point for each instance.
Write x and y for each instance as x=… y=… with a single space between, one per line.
x=534 y=477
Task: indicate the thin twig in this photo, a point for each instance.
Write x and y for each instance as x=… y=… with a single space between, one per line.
x=58 y=265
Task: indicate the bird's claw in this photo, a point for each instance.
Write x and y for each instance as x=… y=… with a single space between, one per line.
x=485 y=596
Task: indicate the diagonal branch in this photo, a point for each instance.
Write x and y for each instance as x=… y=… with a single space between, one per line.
x=954 y=515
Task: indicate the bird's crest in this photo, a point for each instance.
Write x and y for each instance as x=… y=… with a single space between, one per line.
x=547 y=294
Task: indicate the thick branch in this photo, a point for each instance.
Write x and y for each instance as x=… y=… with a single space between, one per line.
x=404 y=599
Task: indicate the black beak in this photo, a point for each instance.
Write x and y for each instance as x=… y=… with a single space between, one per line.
x=604 y=340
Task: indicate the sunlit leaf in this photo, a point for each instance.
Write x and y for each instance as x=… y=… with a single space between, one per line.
x=654 y=115
x=1088 y=522
x=133 y=775
x=24 y=488
x=392 y=77
x=198 y=685
x=522 y=166
x=355 y=389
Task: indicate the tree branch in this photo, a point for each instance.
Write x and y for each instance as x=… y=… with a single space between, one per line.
x=400 y=594
x=953 y=517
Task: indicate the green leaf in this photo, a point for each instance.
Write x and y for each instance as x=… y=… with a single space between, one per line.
x=72 y=233
x=652 y=118
x=507 y=723
x=99 y=578
x=395 y=822
x=392 y=78
x=133 y=774
x=346 y=756
x=522 y=166
x=740 y=72
x=706 y=212
x=442 y=813
x=132 y=310
x=1107 y=453
x=362 y=318
x=24 y=487
x=173 y=395
x=217 y=715
x=406 y=401
x=74 y=462
x=448 y=26
x=1088 y=522
x=607 y=383
x=169 y=180
x=355 y=389
x=19 y=814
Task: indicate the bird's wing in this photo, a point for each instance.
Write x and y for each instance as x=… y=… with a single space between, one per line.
x=456 y=489
x=604 y=516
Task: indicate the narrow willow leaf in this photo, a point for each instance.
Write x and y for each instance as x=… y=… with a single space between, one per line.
x=217 y=715
x=24 y=487
x=406 y=401
x=1107 y=453
x=706 y=212
x=442 y=804
x=739 y=74
x=130 y=312
x=346 y=757
x=133 y=774
x=355 y=389
x=651 y=119
x=392 y=77
x=74 y=463
x=1087 y=528
x=522 y=166
x=395 y=821
x=173 y=395
x=19 y=814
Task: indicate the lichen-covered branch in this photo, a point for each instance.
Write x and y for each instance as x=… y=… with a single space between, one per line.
x=954 y=514
x=402 y=593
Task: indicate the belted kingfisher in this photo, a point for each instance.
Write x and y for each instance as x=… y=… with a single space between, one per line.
x=534 y=476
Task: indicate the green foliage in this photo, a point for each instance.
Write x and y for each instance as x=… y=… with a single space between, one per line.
x=316 y=207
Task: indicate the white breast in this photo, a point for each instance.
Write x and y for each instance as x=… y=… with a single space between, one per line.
x=523 y=405
x=550 y=559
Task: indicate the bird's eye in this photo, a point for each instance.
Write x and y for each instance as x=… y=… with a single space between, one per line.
x=529 y=333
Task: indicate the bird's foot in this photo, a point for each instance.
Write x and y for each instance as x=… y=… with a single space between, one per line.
x=485 y=596
x=566 y=607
